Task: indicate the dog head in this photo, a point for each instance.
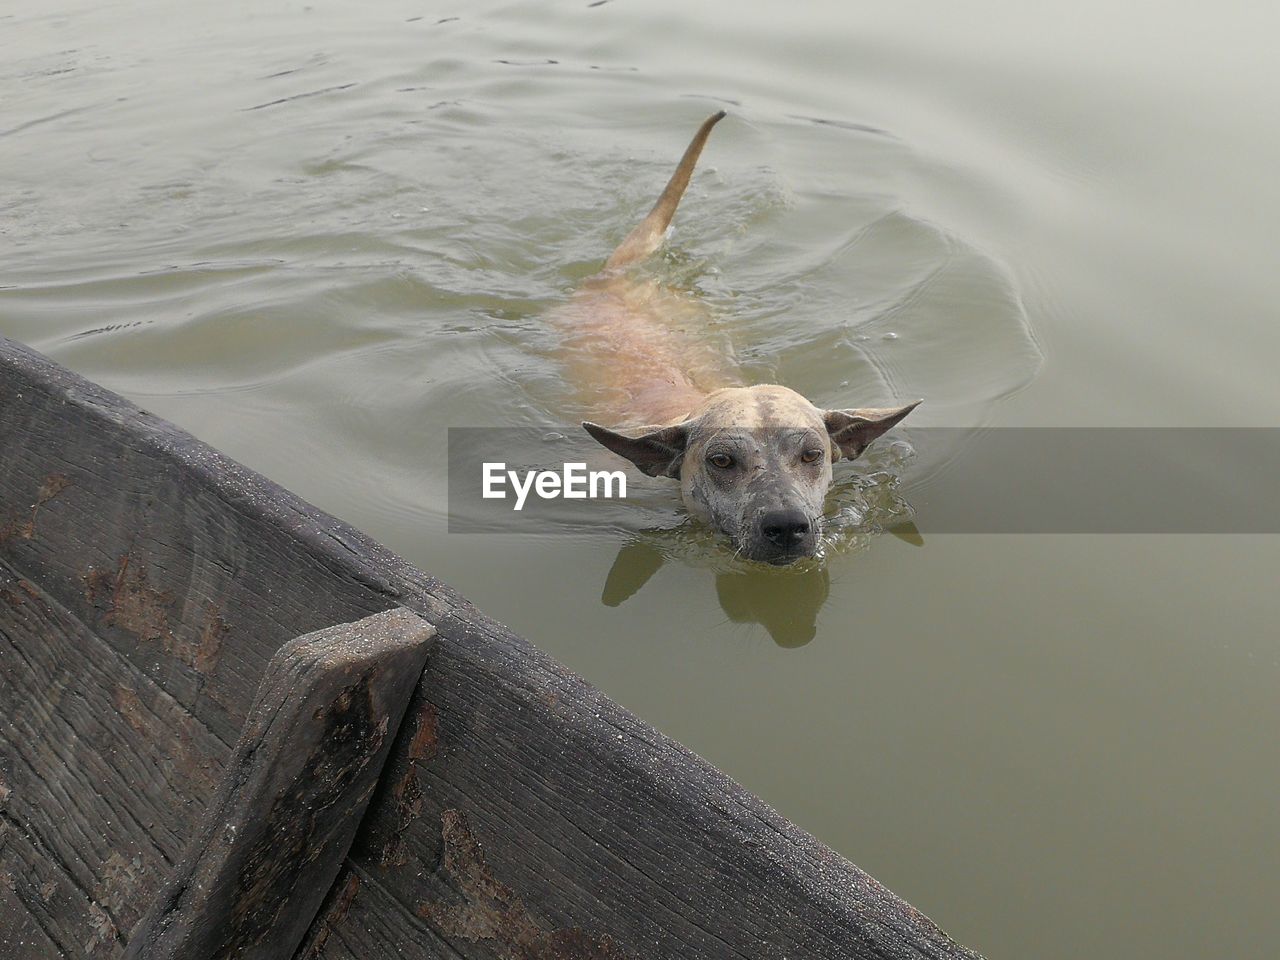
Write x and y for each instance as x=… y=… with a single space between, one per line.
x=755 y=463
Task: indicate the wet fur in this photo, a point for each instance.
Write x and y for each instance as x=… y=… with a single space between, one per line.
x=687 y=407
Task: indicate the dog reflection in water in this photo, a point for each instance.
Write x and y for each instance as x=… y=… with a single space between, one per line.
x=785 y=605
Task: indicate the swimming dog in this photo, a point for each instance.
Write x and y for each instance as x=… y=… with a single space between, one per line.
x=753 y=461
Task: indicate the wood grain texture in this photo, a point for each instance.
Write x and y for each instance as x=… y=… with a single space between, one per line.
x=99 y=771
x=307 y=762
x=521 y=814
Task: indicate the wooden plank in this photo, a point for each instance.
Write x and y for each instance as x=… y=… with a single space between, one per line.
x=523 y=814
x=100 y=772
x=296 y=786
x=510 y=827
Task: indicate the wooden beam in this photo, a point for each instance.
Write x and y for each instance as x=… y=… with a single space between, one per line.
x=295 y=789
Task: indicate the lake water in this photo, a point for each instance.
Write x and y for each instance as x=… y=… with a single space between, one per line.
x=318 y=235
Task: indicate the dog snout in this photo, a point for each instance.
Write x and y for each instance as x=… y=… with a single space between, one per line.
x=785 y=528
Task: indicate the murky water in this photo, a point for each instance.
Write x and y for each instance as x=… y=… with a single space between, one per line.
x=319 y=235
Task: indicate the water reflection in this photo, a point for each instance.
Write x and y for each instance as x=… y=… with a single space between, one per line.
x=787 y=606
x=785 y=602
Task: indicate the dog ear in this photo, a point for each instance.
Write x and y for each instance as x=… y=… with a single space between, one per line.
x=657 y=451
x=852 y=431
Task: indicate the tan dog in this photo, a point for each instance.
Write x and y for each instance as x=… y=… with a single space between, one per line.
x=752 y=461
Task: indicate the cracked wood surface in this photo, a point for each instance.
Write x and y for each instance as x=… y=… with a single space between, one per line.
x=522 y=814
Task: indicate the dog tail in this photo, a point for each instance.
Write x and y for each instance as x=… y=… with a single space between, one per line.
x=647 y=237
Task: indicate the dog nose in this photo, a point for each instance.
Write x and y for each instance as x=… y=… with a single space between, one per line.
x=785 y=528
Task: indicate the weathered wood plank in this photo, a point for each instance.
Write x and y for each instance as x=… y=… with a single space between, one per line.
x=509 y=827
x=523 y=814
x=171 y=580
x=180 y=558
x=99 y=770
x=302 y=773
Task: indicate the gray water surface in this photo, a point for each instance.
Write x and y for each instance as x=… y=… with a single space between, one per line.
x=319 y=235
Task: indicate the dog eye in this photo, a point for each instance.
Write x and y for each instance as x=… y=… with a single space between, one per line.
x=811 y=456
x=721 y=460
